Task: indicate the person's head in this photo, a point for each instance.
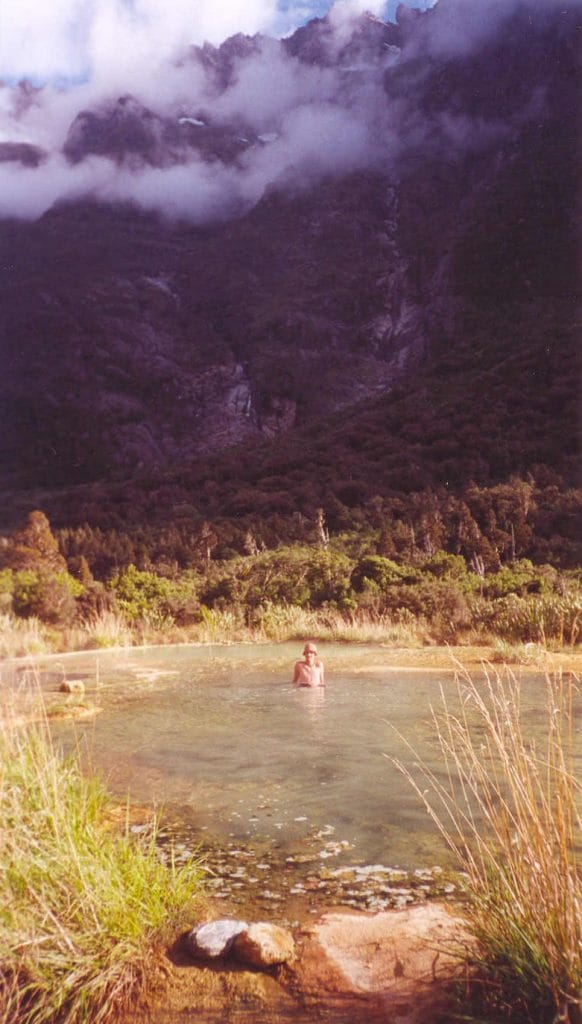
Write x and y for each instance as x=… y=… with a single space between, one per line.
x=310 y=651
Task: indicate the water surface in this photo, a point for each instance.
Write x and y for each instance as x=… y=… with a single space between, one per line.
x=221 y=741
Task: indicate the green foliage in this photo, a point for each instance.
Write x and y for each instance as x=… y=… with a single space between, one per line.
x=106 y=629
x=34 y=546
x=22 y=636
x=299 y=576
x=553 y=618
x=279 y=577
x=147 y=597
x=378 y=559
x=380 y=571
x=83 y=905
x=48 y=596
x=6 y=589
x=328 y=575
x=34 y=580
x=25 y=590
x=444 y=565
x=517 y=578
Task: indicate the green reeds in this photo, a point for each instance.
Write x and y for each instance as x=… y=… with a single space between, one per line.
x=510 y=811
x=84 y=907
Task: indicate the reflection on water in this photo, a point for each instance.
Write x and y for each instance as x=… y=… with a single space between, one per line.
x=221 y=739
x=313 y=701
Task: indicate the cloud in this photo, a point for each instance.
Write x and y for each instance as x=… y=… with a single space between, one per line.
x=298 y=134
x=270 y=85
x=124 y=41
x=303 y=121
x=80 y=39
x=315 y=140
x=300 y=121
x=93 y=38
x=28 y=192
x=40 y=40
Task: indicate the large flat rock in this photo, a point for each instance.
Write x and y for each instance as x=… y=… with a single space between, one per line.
x=398 y=966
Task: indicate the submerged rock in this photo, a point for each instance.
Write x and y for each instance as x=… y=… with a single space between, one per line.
x=72 y=686
x=214 y=939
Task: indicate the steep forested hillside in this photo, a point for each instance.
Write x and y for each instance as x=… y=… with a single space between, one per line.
x=392 y=313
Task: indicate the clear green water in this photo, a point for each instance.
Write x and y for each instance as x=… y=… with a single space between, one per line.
x=220 y=740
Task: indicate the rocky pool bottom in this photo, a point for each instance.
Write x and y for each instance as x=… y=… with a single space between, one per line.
x=259 y=881
x=373 y=943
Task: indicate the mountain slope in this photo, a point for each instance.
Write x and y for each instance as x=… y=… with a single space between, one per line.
x=442 y=265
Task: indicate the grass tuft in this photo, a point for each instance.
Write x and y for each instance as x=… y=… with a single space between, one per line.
x=106 y=629
x=22 y=636
x=83 y=908
x=510 y=811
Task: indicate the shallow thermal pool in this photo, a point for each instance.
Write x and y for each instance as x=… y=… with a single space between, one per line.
x=219 y=739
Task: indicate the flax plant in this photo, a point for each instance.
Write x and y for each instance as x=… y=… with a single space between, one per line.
x=83 y=907
x=509 y=809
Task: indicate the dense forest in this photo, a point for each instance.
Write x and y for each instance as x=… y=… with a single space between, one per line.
x=426 y=566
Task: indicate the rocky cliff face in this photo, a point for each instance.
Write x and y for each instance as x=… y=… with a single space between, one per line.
x=130 y=340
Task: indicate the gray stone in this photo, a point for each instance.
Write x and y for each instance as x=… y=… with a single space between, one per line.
x=214 y=939
x=264 y=945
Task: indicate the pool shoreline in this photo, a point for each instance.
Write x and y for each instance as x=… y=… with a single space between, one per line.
x=533 y=657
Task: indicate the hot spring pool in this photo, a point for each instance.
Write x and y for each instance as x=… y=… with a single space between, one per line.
x=219 y=740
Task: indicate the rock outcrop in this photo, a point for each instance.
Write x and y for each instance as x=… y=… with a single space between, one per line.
x=399 y=963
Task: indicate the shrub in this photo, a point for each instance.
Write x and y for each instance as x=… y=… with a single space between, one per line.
x=50 y=596
x=518 y=578
x=33 y=546
x=107 y=629
x=381 y=571
x=142 y=595
x=6 y=589
x=299 y=576
x=220 y=626
x=95 y=600
x=221 y=592
x=285 y=622
x=442 y=564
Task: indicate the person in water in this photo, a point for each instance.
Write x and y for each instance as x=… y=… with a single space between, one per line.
x=309 y=670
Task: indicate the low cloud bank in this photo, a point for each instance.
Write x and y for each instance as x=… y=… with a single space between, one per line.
x=293 y=122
